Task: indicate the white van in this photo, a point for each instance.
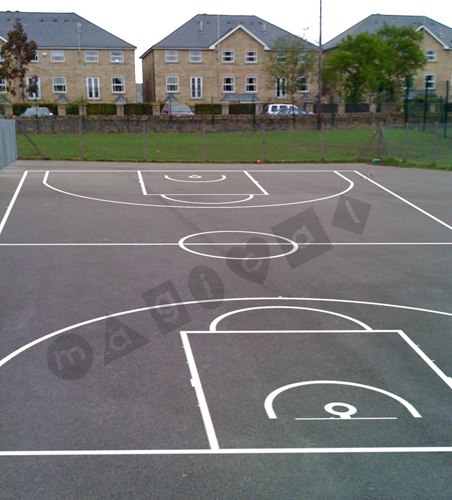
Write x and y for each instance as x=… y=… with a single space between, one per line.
x=273 y=109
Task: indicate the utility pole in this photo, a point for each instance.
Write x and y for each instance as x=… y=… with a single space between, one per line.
x=319 y=96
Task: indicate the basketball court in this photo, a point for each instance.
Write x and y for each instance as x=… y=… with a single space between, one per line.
x=179 y=314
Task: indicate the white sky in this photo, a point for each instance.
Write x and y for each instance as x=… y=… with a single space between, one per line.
x=144 y=24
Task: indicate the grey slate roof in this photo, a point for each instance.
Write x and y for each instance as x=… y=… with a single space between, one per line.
x=59 y=30
x=375 y=22
x=203 y=30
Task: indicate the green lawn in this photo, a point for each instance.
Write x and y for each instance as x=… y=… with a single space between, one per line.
x=415 y=147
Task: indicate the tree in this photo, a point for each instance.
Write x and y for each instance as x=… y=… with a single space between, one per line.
x=17 y=52
x=374 y=64
x=288 y=64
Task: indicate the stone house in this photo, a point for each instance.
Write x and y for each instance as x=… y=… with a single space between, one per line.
x=217 y=58
x=75 y=60
x=436 y=44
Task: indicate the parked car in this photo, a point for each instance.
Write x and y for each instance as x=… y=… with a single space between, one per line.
x=272 y=109
x=177 y=110
x=37 y=111
x=292 y=112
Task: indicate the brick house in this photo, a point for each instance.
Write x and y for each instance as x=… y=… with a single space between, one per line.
x=216 y=58
x=436 y=44
x=75 y=58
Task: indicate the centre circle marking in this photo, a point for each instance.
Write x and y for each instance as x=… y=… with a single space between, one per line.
x=293 y=246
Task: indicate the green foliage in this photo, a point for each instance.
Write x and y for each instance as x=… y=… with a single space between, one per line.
x=17 y=52
x=138 y=109
x=290 y=59
x=208 y=109
x=100 y=109
x=374 y=64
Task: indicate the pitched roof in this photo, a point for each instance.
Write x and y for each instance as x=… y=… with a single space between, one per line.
x=204 y=30
x=60 y=30
x=375 y=22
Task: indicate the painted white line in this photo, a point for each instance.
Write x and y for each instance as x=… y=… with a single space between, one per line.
x=196 y=383
x=13 y=200
x=213 y=326
x=100 y=244
x=255 y=182
x=142 y=184
x=203 y=206
x=406 y=201
x=192 y=171
x=337 y=419
x=222 y=178
x=430 y=363
x=268 y=404
x=185 y=246
x=248 y=197
x=39 y=340
x=230 y=451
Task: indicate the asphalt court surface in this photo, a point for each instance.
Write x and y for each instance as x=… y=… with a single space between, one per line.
x=209 y=315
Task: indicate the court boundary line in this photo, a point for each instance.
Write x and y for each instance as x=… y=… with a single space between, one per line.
x=436 y=219
x=13 y=201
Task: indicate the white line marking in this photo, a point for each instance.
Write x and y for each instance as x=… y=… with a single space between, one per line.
x=120 y=171
x=39 y=340
x=222 y=178
x=268 y=405
x=184 y=246
x=216 y=321
x=433 y=366
x=248 y=198
x=229 y=451
x=142 y=184
x=336 y=419
x=346 y=190
x=196 y=383
x=255 y=182
x=13 y=200
x=406 y=201
x=435 y=243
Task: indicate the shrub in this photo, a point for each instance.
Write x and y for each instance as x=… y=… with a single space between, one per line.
x=100 y=109
x=208 y=109
x=138 y=108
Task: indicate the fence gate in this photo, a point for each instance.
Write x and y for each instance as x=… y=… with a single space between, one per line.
x=8 y=144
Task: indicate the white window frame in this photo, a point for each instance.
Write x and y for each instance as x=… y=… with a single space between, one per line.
x=93 y=88
x=37 y=96
x=430 y=81
x=57 y=56
x=1 y=58
x=431 y=55
x=195 y=56
x=120 y=87
x=172 y=87
x=91 y=56
x=171 y=56
x=231 y=83
x=281 y=87
x=228 y=56
x=3 y=88
x=248 y=84
x=196 y=87
x=251 y=57
x=117 y=56
x=35 y=58
x=304 y=81
x=61 y=84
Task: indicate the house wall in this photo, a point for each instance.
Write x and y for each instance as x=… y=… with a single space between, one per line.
x=76 y=70
x=212 y=70
x=441 y=68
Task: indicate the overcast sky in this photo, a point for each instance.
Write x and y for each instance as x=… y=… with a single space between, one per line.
x=145 y=26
